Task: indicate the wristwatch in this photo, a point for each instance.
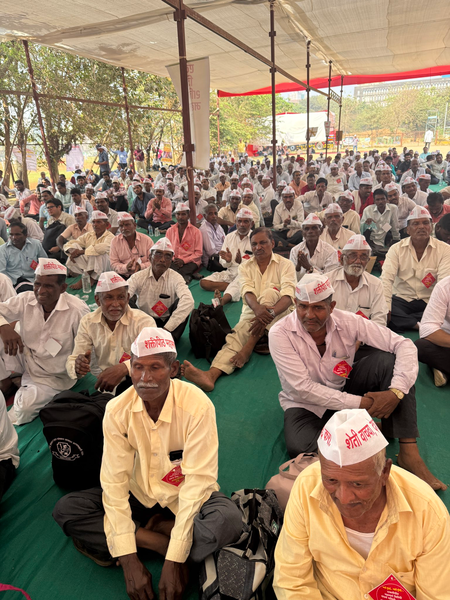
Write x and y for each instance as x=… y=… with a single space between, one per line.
x=271 y=312
x=400 y=395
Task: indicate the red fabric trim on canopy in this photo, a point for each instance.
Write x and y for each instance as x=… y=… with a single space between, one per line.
x=322 y=82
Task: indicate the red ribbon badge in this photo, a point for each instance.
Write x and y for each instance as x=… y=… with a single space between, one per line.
x=245 y=257
x=174 y=477
x=342 y=369
x=125 y=356
x=33 y=265
x=361 y=314
x=428 y=280
x=390 y=589
x=159 y=308
x=185 y=246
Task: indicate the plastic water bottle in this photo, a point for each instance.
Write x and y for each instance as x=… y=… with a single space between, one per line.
x=150 y=230
x=157 y=232
x=86 y=282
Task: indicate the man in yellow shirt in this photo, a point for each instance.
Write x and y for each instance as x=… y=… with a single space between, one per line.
x=158 y=476
x=354 y=520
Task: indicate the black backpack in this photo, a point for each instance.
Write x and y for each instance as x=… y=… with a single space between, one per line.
x=51 y=234
x=208 y=328
x=73 y=430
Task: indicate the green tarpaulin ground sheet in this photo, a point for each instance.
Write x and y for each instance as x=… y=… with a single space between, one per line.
x=37 y=557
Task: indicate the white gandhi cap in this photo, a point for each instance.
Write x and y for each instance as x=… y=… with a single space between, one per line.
x=110 y=280
x=418 y=212
x=313 y=287
x=163 y=244
x=50 y=266
x=357 y=242
x=153 y=340
x=350 y=436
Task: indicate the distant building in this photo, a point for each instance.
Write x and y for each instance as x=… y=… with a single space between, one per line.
x=295 y=97
x=378 y=92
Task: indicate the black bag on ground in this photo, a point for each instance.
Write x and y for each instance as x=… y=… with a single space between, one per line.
x=73 y=430
x=208 y=328
x=51 y=234
x=244 y=570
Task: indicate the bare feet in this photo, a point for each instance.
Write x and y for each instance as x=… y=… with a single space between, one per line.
x=217 y=294
x=413 y=462
x=201 y=378
x=76 y=286
x=242 y=357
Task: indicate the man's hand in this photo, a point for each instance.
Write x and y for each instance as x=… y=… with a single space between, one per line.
x=178 y=262
x=137 y=578
x=75 y=253
x=369 y=221
x=366 y=402
x=133 y=266
x=110 y=377
x=157 y=203
x=302 y=261
x=384 y=404
x=263 y=315
x=11 y=340
x=226 y=256
x=174 y=578
x=257 y=328
x=83 y=363
x=54 y=249
x=238 y=257
x=287 y=222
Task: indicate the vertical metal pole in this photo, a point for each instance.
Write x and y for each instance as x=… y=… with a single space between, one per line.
x=127 y=111
x=188 y=146
x=273 y=71
x=218 y=123
x=340 y=109
x=38 y=111
x=308 y=43
x=328 y=107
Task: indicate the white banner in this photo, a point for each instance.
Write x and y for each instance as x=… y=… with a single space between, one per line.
x=198 y=82
x=31 y=158
x=75 y=159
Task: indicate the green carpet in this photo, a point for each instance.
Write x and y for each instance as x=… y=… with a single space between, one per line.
x=36 y=556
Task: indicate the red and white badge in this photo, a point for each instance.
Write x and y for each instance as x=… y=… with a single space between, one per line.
x=245 y=257
x=199 y=217
x=338 y=180
x=174 y=477
x=390 y=589
x=361 y=314
x=125 y=356
x=185 y=246
x=33 y=265
x=159 y=308
x=342 y=369
x=339 y=254
x=428 y=280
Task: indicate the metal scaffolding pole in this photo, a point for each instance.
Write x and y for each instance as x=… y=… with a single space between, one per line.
x=340 y=110
x=308 y=43
x=127 y=111
x=38 y=111
x=328 y=107
x=273 y=71
x=218 y=123
x=188 y=146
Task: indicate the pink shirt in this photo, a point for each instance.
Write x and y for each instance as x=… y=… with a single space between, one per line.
x=160 y=215
x=33 y=201
x=120 y=254
x=190 y=249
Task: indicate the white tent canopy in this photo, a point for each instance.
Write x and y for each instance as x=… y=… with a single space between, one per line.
x=359 y=36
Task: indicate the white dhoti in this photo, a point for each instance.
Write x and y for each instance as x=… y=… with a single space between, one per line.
x=94 y=265
x=234 y=287
x=31 y=396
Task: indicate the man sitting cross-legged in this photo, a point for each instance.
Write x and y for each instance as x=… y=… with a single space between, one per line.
x=104 y=337
x=314 y=353
x=313 y=255
x=161 y=292
x=90 y=252
x=158 y=478
x=287 y=219
x=235 y=250
x=267 y=289
x=49 y=318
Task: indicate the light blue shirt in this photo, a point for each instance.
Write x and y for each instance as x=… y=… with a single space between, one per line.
x=43 y=213
x=88 y=208
x=353 y=181
x=123 y=155
x=17 y=263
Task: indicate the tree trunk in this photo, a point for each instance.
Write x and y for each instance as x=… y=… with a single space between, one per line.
x=7 y=130
x=22 y=143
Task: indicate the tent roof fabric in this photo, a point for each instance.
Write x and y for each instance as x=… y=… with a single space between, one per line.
x=361 y=37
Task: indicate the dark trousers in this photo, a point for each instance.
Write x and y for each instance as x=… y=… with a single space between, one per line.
x=7 y=474
x=81 y=514
x=281 y=236
x=23 y=285
x=178 y=331
x=160 y=226
x=404 y=314
x=186 y=270
x=371 y=373
x=123 y=166
x=436 y=357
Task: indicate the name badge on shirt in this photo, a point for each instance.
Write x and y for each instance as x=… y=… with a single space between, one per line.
x=386 y=227
x=390 y=589
x=342 y=369
x=159 y=308
x=361 y=314
x=125 y=356
x=52 y=347
x=185 y=246
x=174 y=476
x=199 y=217
x=33 y=265
x=428 y=280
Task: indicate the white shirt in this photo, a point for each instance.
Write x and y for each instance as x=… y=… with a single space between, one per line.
x=336 y=183
x=403 y=274
x=361 y=542
x=307 y=379
x=36 y=332
x=312 y=203
x=437 y=312
x=367 y=297
x=233 y=243
x=409 y=173
x=267 y=196
x=7 y=290
x=405 y=206
x=151 y=295
x=8 y=436
x=212 y=240
x=387 y=221
x=342 y=238
x=420 y=198
x=33 y=229
x=296 y=214
x=210 y=192
x=324 y=259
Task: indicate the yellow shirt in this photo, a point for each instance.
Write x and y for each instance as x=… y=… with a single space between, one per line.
x=136 y=458
x=91 y=244
x=313 y=559
x=280 y=274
